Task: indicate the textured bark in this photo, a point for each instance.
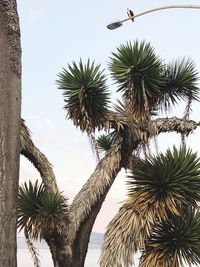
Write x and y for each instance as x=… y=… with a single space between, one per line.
x=60 y=249
x=95 y=187
x=80 y=244
x=38 y=159
x=88 y=202
x=10 y=108
x=174 y=124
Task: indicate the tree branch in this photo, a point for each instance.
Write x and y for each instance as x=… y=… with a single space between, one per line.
x=173 y=124
x=38 y=159
x=95 y=189
x=97 y=186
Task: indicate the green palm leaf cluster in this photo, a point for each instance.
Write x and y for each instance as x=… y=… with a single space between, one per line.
x=166 y=192
x=181 y=82
x=161 y=216
x=170 y=183
x=174 y=242
x=134 y=62
x=40 y=212
x=104 y=142
x=137 y=71
x=172 y=177
x=85 y=93
x=147 y=83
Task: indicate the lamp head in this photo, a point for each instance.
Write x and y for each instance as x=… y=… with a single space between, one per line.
x=114 y=25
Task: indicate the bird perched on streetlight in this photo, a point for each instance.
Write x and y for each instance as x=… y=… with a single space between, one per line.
x=130 y=14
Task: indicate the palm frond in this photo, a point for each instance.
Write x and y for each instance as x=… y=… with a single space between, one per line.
x=104 y=142
x=40 y=211
x=174 y=241
x=85 y=93
x=138 y=72
x=125 y=235
x=32 y=249
x=172 y=178
x=120 y=107
x=181 y=83
x=28 y=202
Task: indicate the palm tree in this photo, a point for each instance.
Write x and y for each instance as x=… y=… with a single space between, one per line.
x=148 y=86
x=10 y=114
x=41 y=215
x=160 y=217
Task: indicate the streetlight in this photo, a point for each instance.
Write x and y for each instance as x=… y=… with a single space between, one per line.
x=116 y=24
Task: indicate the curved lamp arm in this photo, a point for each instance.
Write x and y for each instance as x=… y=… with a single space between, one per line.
x=117 y=24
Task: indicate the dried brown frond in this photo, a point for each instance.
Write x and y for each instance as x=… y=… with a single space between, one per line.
x=93 y=143
x=188 y=109
x=173 y=124
x=157 y=259
x=127 y=232
x=122 y=239
x=32 y=249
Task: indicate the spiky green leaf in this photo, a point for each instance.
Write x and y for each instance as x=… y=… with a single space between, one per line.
x=104 y=142
x=137 y=70
x=173 y=176
x=181 y=83
x=174 y=241
x=85 y=93
x=40 y=211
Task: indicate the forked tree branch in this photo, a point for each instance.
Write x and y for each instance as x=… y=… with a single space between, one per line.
x=99 y=183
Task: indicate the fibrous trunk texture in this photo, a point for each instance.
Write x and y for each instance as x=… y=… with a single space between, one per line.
x=10 y=109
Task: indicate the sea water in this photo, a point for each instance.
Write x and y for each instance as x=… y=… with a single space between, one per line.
x=24 y=258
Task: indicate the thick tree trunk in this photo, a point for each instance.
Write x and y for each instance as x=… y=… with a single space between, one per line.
x=10 y=107
x=60 y=249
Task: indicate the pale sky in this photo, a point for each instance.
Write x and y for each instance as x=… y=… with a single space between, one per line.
x=54 y=33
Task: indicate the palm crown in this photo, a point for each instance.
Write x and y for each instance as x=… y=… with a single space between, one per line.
x=40 y=211
x=160 y=217
x=146 y=82
x=174 y=242
x=86 y=95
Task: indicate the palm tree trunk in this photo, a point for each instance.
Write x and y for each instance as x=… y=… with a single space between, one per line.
x=10 y=109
